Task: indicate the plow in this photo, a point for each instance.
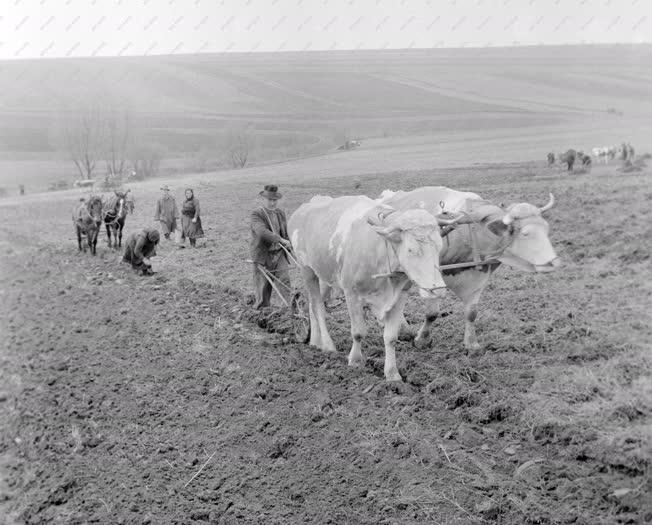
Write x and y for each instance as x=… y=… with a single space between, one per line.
x=298 y=307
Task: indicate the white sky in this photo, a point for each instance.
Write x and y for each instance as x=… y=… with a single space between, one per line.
x=56 y=28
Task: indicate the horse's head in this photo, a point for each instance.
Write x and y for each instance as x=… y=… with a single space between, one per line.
x=119 y=205
x=95 y=206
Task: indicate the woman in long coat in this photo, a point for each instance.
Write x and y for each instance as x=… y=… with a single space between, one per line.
x=190 y=219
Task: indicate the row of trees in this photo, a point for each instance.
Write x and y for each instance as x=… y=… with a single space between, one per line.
x=99 y=138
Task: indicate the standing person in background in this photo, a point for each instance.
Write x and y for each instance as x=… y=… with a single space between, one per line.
x=190 y=219
x=269 y=232
x=166 y=212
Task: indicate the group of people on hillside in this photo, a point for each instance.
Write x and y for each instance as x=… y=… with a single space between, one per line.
x=140 y=246
x=269 y=246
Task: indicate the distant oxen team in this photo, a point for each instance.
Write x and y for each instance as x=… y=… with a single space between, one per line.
x=91 y=212
x=569 y=158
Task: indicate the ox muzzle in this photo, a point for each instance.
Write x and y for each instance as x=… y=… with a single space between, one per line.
x=553 y=265
x=521 y=264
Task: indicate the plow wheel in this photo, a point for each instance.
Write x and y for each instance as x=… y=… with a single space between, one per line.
x=300 y=318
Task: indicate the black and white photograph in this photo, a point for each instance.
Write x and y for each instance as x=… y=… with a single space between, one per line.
x=347 y=262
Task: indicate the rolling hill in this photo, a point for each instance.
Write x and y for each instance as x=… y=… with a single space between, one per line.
x=301 y=104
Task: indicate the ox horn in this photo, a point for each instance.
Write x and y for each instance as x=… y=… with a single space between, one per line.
x=387 y=210
x=550 y=204
x=382 y=215
x=462 y=218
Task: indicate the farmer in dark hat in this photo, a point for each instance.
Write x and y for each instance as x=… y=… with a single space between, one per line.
x=166 y=212
x=269 y=235
x=140 y=247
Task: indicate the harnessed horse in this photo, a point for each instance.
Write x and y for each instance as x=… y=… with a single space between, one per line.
x=114 y=218
x=87 y=219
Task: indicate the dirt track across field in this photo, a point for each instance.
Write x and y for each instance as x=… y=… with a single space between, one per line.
x=158 y=400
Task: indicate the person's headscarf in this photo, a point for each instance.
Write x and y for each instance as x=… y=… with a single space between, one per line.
x=192 y=194
x=153 y=236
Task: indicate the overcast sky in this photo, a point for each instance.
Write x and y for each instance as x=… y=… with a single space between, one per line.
x=55 y=28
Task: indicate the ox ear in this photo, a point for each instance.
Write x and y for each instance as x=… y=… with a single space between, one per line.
x=498 y=227
x=392 y=234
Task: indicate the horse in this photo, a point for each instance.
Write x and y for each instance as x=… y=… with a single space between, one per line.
x=551 y=158
x=87 y=219
x=115 y=214
x=568 y=158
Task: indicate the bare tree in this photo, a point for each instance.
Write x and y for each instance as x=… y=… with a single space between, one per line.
x=145 y=159
x=239 y=143
x=83 y=135
x=118 y=124
x=93 y=132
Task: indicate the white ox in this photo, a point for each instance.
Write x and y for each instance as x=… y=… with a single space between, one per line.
x=371 y=253
x=606 y=153
x=516 y=236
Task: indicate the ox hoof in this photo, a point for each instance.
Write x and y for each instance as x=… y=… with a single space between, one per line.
x=406 y=333
x=392 y=376
x=357 y=362
x=329 y=348
x=473 y=349
x=422 y=342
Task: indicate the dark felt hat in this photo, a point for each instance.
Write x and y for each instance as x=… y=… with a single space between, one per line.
x=270 y=192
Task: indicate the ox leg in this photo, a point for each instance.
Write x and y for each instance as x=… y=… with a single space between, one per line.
x=422 y=338
x=326 y=291
x=392 y=323
x=79 y=239
x=315 y=332
x=319 y=337
x=358 y=329
x=108 y=233
x=405 y=330
x=469 y=288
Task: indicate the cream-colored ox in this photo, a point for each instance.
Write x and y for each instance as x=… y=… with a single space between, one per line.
x=516 y=236
x=373 y=254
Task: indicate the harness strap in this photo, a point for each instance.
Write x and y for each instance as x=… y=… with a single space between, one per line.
x=477 y=257
x=390 y=272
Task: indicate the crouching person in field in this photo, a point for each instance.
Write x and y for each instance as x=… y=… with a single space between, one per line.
x=140 y=247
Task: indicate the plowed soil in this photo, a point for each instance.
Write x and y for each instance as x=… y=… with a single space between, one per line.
x=160 y=399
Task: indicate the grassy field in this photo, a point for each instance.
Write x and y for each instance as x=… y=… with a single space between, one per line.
x=303 y=104
x=119 y=389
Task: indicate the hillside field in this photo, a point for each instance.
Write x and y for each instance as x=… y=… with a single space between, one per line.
x=295 y=105
x=163 y=400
